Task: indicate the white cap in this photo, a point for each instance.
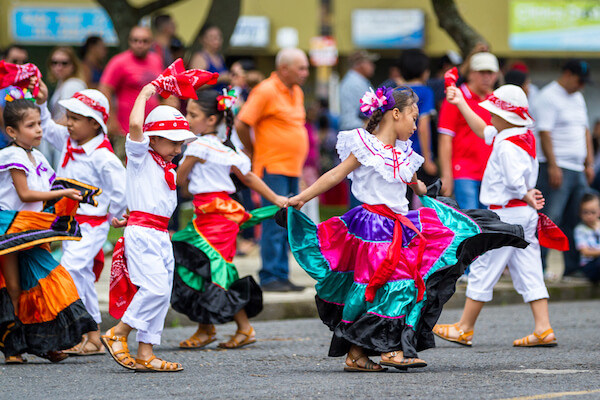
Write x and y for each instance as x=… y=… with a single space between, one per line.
x=508 y=102
x=483 y=62
x=168 y=122
x=89 y=103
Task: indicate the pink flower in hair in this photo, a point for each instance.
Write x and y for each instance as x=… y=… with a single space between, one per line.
x=382 y=100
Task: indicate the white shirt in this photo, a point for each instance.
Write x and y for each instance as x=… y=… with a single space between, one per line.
x=39 y=177
x=564 y=115
x=510 y=171
x=375 y=181
x=213 y=174
x=96 y=167
x=147 y=190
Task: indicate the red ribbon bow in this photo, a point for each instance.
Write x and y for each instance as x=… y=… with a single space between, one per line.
x=93 y=104
x=18 y=75
x=451 y=77
x=175 y=80
x=71 y=150
x=167 y=166
x=506 y=106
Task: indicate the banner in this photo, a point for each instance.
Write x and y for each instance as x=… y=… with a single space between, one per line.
x=388 y=28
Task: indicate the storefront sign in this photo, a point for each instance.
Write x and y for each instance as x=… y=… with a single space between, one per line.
x=250 y=31
x=388 y=28
x=554 y=25
x=60 y=24
x=323 y=51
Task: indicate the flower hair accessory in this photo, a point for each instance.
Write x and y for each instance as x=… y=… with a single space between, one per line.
x=226 y=100
x=17 y=93
x=382 y=100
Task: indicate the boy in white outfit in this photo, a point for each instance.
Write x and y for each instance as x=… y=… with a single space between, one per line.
x=508 y=188
x=151 y=199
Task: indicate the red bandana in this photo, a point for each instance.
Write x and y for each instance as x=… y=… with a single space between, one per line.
x=18 y=75
x=451 y=77
x=71 y=150
x=526 y=141
x=175 y=80
x=167 y=166
x=93 y=104
x=506 y=106
x=166 y=125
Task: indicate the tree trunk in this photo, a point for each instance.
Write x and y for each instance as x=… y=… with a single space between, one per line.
x=124 y=16
x=450 y=20
x=224 y=14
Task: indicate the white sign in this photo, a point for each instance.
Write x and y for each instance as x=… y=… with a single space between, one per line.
x=287 y=37
x=250 y=31
x=388 y=28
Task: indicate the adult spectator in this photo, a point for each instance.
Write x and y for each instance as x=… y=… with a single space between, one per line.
x=352 y=88
x=462 y=154
x=564 y=150
x=13 y=54
x=163 y=27
x=275 y=110
x=93 y=56
x=210 y=58
x=64 y=69
x=125 y=75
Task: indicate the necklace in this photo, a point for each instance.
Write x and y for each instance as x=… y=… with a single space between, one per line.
x=26 y=150
x=209 y=133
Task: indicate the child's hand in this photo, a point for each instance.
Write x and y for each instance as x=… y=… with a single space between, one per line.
x=281 y=201
x=72 y=194
x=42 y=96
x=295 y=202
x=420 y=188
x=454 y=95
x=535 y=199
x=120 y=223
x=148 y=91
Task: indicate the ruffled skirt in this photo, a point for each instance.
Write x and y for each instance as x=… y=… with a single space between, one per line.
x=343 y=253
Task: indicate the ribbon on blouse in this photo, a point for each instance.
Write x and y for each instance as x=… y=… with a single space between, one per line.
x=506 y=106
x=18 y=75
x=167 y=167
x=394 y=254
x=175 y=80
x=93 y=104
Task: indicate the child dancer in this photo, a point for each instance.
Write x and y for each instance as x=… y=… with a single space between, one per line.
x=151 y=199
x=40 y=312
x=383 y=272
x=86 y=155
x=508 y=188
x=207 y=287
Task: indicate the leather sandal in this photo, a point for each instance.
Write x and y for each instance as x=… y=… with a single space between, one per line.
x=18 y=359
x=194 y=342
x=122 y=357
x=81 y=350
x=540 y=342
x=165 y=366
x=404 y=364
x=443 y=331
x=368 y=367
x=233 y=343
x=54 y=356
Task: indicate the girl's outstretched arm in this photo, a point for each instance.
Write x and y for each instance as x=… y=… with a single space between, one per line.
x=29 y=196
x=455 y=96
x=258 y=185
x=328 y=180
x=136 y=118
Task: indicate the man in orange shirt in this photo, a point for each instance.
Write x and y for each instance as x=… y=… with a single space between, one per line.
x=275 y=111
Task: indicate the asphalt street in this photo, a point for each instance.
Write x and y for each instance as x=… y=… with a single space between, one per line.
x=290 y=361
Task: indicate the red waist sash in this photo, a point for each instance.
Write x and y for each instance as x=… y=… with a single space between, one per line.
x=93 y=220
x=512 y=203
x=147 y=220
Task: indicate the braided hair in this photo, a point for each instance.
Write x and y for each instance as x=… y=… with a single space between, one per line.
x=404 y=97
x=208 y=103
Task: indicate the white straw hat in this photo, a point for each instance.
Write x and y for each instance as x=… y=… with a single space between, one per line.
x=168 y=122
x=509 y=102
x=89 y=103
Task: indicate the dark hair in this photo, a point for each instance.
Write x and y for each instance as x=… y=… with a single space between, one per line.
x=413 y=63
x=89 y=42
x=515 y=77
x=13 y=46
x=587 y=197
x=403 y=97
x=159 y=21
x=206 y=28
x=207 y=101
x=15 y=110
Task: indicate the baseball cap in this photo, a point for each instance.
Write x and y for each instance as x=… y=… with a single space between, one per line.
x=484 y=62
x=579 y=68
x=362 y=55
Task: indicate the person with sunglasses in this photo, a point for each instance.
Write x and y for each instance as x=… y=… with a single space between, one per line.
x=64 y=69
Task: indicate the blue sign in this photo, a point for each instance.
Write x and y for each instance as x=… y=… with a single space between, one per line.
x=60 y=24
x=388 y=28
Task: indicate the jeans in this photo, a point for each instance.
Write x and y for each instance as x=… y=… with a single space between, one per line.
x=592 y=270
x=562 y=206
x=466 y=193
x=273 y=242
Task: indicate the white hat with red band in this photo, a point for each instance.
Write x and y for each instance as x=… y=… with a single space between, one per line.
x=89 y=103
x=509 y=102
x=168 y=122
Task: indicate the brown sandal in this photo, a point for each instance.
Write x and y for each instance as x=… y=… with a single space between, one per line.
x=54 y=356
x=233 y=343
x=404 y=364
x=194 y=342
x=122 y=357
x=540 y=342
x=18 y=359
x=443 y=331
x=165 y=366
x=80 y=349
x=368 y=367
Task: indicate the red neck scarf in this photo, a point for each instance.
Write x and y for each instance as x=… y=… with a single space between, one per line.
x=526 y=141
x=69 y=155
x=167 y=166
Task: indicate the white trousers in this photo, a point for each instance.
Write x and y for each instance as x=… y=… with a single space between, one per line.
x=525 y=265
x=78 y=259
x=150 y=263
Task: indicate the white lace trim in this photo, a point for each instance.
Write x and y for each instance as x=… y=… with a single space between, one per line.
x=212 y=150
x=370 y=152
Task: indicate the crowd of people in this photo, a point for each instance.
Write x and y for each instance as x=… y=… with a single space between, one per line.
x=493 y=149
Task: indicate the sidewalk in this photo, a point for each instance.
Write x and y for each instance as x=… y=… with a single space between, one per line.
x=302 y=304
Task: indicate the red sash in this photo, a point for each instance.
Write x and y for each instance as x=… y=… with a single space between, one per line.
x=92 y=220
x=392 y=258
x=512 y=203
x=147 y=220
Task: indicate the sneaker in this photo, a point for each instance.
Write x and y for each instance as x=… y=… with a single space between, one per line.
x=292 y=287
x=275 y=286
